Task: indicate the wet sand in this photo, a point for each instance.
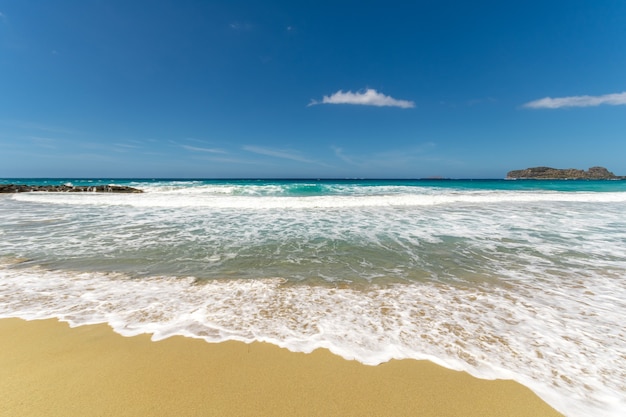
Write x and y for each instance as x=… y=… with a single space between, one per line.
x=49 y=369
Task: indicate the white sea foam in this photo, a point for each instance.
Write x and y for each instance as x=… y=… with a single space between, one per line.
x=221 y=197
x=567 y=344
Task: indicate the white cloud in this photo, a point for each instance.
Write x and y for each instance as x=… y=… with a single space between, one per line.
x=577 y=101
x=369 y=97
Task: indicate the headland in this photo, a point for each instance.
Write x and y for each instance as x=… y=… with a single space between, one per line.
x=547 y=173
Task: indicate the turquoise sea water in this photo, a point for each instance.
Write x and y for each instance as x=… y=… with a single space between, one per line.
x=306 y=186
x=504 y=279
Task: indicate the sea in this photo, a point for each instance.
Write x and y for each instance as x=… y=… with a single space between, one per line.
x=503 y=279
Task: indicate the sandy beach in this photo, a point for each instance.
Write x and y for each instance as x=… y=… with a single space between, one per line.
x=48 y=368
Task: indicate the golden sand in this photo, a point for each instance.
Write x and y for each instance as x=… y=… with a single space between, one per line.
x=48 y=369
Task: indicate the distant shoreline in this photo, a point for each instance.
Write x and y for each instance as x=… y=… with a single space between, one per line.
x=66 y=188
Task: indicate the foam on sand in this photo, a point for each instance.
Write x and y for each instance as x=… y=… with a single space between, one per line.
x=90 y=370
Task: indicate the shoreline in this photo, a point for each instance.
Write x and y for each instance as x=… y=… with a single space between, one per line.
x=48 y=368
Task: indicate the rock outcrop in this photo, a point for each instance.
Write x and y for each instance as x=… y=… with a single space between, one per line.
x=547 y=173
x=22 y=188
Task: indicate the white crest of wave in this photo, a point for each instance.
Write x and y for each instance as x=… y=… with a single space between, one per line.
x=223 y=198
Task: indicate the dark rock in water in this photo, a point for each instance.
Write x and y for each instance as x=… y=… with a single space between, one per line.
x=23 y=188
x=547 y=173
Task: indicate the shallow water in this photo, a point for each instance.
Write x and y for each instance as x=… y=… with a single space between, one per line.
x=504 y=279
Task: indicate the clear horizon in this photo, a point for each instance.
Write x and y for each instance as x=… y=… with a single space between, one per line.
x=332 y=90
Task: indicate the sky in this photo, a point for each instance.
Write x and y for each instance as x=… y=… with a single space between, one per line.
x=310 y=89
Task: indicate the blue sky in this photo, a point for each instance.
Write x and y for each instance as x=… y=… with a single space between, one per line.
x=343 y=89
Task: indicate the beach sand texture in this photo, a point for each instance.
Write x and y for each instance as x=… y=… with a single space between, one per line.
x=49 y=369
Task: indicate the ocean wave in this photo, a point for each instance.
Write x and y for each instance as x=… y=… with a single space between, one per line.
x=224 y=199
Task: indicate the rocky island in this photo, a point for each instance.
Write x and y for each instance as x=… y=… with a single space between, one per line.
x=547 y=173
x=67 y=188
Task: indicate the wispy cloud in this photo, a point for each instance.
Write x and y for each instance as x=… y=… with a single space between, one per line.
x=477 y=101
x=121 y=147
x=44 y=142
x=339 y=153
x=198 y=149
x=238 y=26
x=230 y=160
x=577 y=101
x=126 y=145
x=36 y=126
x=369 y=97
x=392 y=158
x=279 y=153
